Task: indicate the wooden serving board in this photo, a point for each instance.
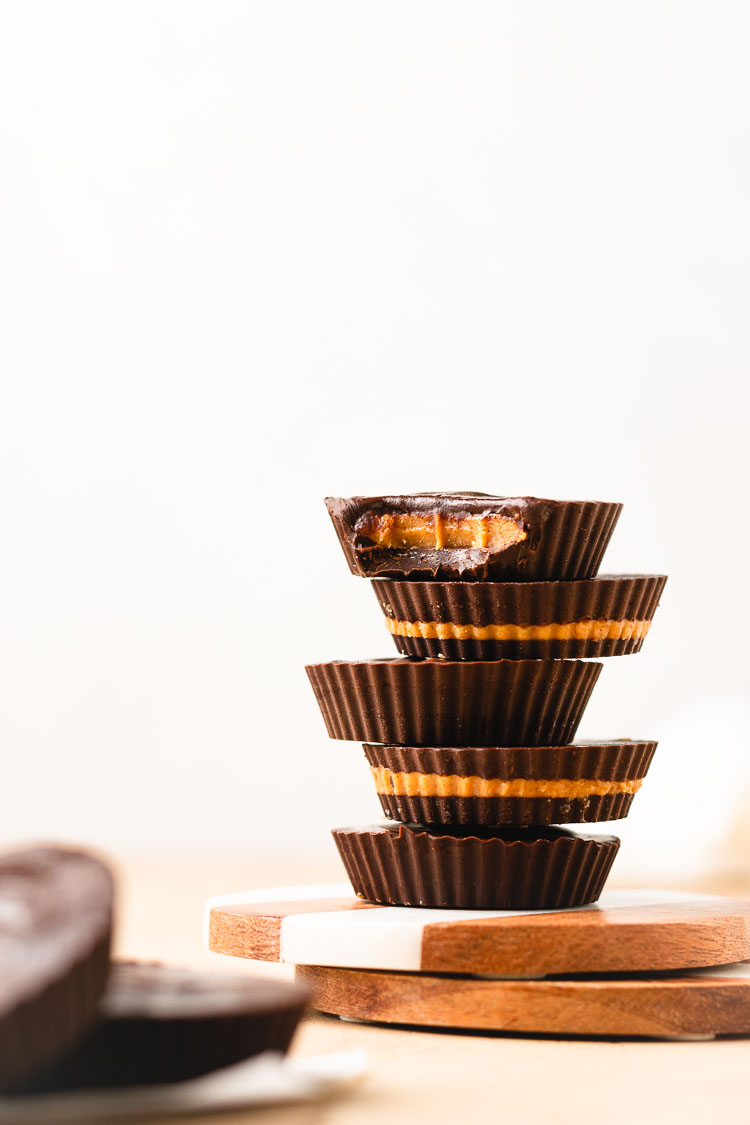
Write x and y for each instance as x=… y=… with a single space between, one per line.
x=626 y=931
x=693 y=1005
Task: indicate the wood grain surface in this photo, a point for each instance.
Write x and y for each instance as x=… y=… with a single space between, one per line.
x=639 y=939
x=688 y=1007
x=653 y=937
x=254 y=930
x=444 y=1077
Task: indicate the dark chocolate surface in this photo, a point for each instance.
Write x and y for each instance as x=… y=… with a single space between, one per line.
x=476 y=869
x=565 y=539
x=603 y=761
x=619 y=760
x=160 y=1024
x=481 y=604
x=610 y=597
x=510 y=836
x=55 y=930
x=441 y=702
x=422 y=648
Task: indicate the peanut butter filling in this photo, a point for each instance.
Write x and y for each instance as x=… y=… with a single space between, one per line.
x=586 y=630
x=396 y=784
x=400 y=530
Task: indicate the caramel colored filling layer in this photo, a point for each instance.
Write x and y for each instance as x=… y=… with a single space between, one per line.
x=586 y=630
x=401 y=531
x=453 y=785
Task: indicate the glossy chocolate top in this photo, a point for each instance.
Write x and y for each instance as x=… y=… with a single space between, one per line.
x=611 y=597
x=454 y=703
x=446 y=503
x=152 y=991
x=514 y=835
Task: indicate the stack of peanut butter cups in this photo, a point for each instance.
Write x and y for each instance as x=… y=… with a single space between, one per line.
x=496 y=609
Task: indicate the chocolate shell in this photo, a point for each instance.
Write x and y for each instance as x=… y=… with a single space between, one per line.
x=448 y=786
x=544 y=539
x=450 y=703
x=160 y=1024
x=521 y=869
x=606 y=616
x=55 y=933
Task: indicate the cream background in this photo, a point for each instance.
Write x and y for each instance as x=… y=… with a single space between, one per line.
x=255 y=253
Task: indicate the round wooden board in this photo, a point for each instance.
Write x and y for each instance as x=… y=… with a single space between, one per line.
x=689 y=1006
x=627 y=931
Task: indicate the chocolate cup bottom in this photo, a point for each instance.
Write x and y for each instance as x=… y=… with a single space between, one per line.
x=412 y=867
x=496 y=811
x=514 y=650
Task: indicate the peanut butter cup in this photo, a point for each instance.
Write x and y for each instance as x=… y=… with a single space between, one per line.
x=55 y=932
x=522 y=869
x=606 y=616
x=472 y=536
x=498 y=786
x=160 y=1024
x=454 y=703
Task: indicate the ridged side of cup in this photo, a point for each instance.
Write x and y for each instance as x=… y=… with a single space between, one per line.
x=573 y=541
x=474 y=605
x=470 y=812
x=607 y=762
x=439 y=702
x=617 y=760
x=541 y=870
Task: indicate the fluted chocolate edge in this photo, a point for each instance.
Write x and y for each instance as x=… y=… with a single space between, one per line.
x=468 y=812
x=408 y=866
x=617 y=760
x=439 y=702
x=627 y=604
x=611 y=597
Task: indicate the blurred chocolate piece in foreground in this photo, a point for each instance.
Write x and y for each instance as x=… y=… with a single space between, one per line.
x=55 y=933
x=159 y=1024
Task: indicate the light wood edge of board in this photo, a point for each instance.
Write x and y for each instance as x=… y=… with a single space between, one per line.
x=672 y=1008
x=253 y=930
x=243 y=935
x=644 y=939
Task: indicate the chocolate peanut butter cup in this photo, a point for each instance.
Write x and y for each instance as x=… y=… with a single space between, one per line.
x=160 y=1024
x=498 y=786
x=606 y=616
x=55 y=932
x=522 y=869
x=472 y=536
x=453 y=703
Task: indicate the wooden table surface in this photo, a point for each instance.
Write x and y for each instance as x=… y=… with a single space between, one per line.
x=436 y=1077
